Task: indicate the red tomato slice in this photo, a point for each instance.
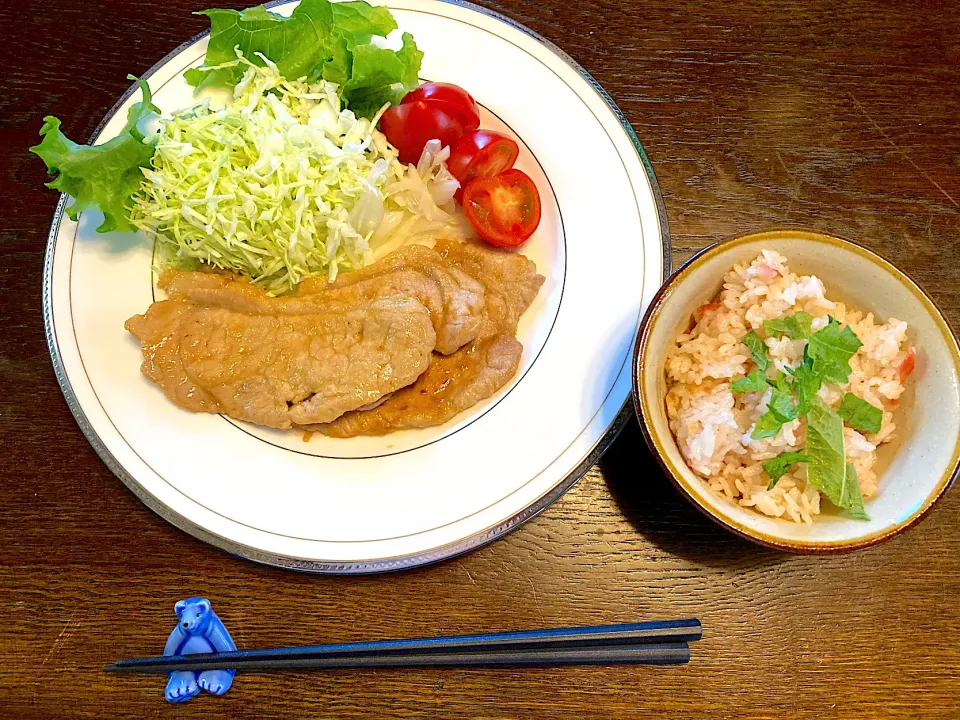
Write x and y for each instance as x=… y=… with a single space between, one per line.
x=504 y=209
x=452 y=98
x=481 y=153
x=409 y=126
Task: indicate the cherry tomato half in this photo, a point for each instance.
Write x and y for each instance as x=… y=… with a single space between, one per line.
x=481 y=153
x=504 y=209
x=452 y=98
x=409 y=126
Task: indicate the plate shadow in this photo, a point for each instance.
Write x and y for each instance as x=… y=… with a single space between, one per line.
x=664 y=516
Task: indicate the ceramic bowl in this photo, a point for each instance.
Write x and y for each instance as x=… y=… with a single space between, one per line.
x=915 y=470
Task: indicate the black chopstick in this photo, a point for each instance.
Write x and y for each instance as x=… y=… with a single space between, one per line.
x=525 y=647
x=640 y=654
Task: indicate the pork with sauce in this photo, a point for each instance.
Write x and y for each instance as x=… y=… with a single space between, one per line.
x=475 y=372
x=458 y=318
x=270 y=362
x=408 y=342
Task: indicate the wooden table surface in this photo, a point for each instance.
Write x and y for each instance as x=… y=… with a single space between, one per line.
x=841 y=116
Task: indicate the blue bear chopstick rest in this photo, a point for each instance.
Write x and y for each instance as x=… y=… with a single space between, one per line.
x=199 y=633
x=198 y=630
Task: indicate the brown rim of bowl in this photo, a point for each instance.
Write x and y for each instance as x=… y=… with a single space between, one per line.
x=640 y=401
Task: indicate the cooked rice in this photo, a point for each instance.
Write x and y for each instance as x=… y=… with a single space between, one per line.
x=712 y=425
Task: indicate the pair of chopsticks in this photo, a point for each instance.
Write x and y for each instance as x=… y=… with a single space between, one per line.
x=646 y=643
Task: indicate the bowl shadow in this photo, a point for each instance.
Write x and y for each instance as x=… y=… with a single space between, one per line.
x=665 y=517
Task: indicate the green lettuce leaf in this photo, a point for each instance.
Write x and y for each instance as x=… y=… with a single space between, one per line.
x=831 y=348
x=381 y=76
x=102 y=176
x=777 y=467
x=859 y=414
x=827 y=468
x=758 y=350
x=320 y=39
x=360 y=22
x=795 y=327
x=297 y=45
x=337 y=67
x=754 y=382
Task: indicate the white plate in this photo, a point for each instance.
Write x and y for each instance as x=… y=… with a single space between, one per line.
x=373 y=504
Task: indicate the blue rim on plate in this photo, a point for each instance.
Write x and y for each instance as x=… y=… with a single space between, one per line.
x=381 y=565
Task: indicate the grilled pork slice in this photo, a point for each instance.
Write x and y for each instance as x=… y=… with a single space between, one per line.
x=270 y=362
x=510 y=278
x=236 y=293
x=454 y=383
x=460 y=316
x=158 y=331
x=450 y=385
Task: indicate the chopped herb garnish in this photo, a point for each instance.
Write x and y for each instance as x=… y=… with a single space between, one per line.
x=860 y=415
x=777 y=467
x=766 y=426
x=806 y=384
x=852 y=498
x=795 y=327
x=754 y=382
x=779 y=382
x=781 y=406
x=827 y=468
x=831 y=348
x=826 y=358
x=780 y=409
x=758 y=351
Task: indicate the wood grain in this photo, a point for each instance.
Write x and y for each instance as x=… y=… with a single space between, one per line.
x=841 y=116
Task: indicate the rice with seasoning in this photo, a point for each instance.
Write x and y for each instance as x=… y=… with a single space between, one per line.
x=713 y=425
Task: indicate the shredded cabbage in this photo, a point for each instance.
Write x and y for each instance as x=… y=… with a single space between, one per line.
x=283 y=184
x=423 y=205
